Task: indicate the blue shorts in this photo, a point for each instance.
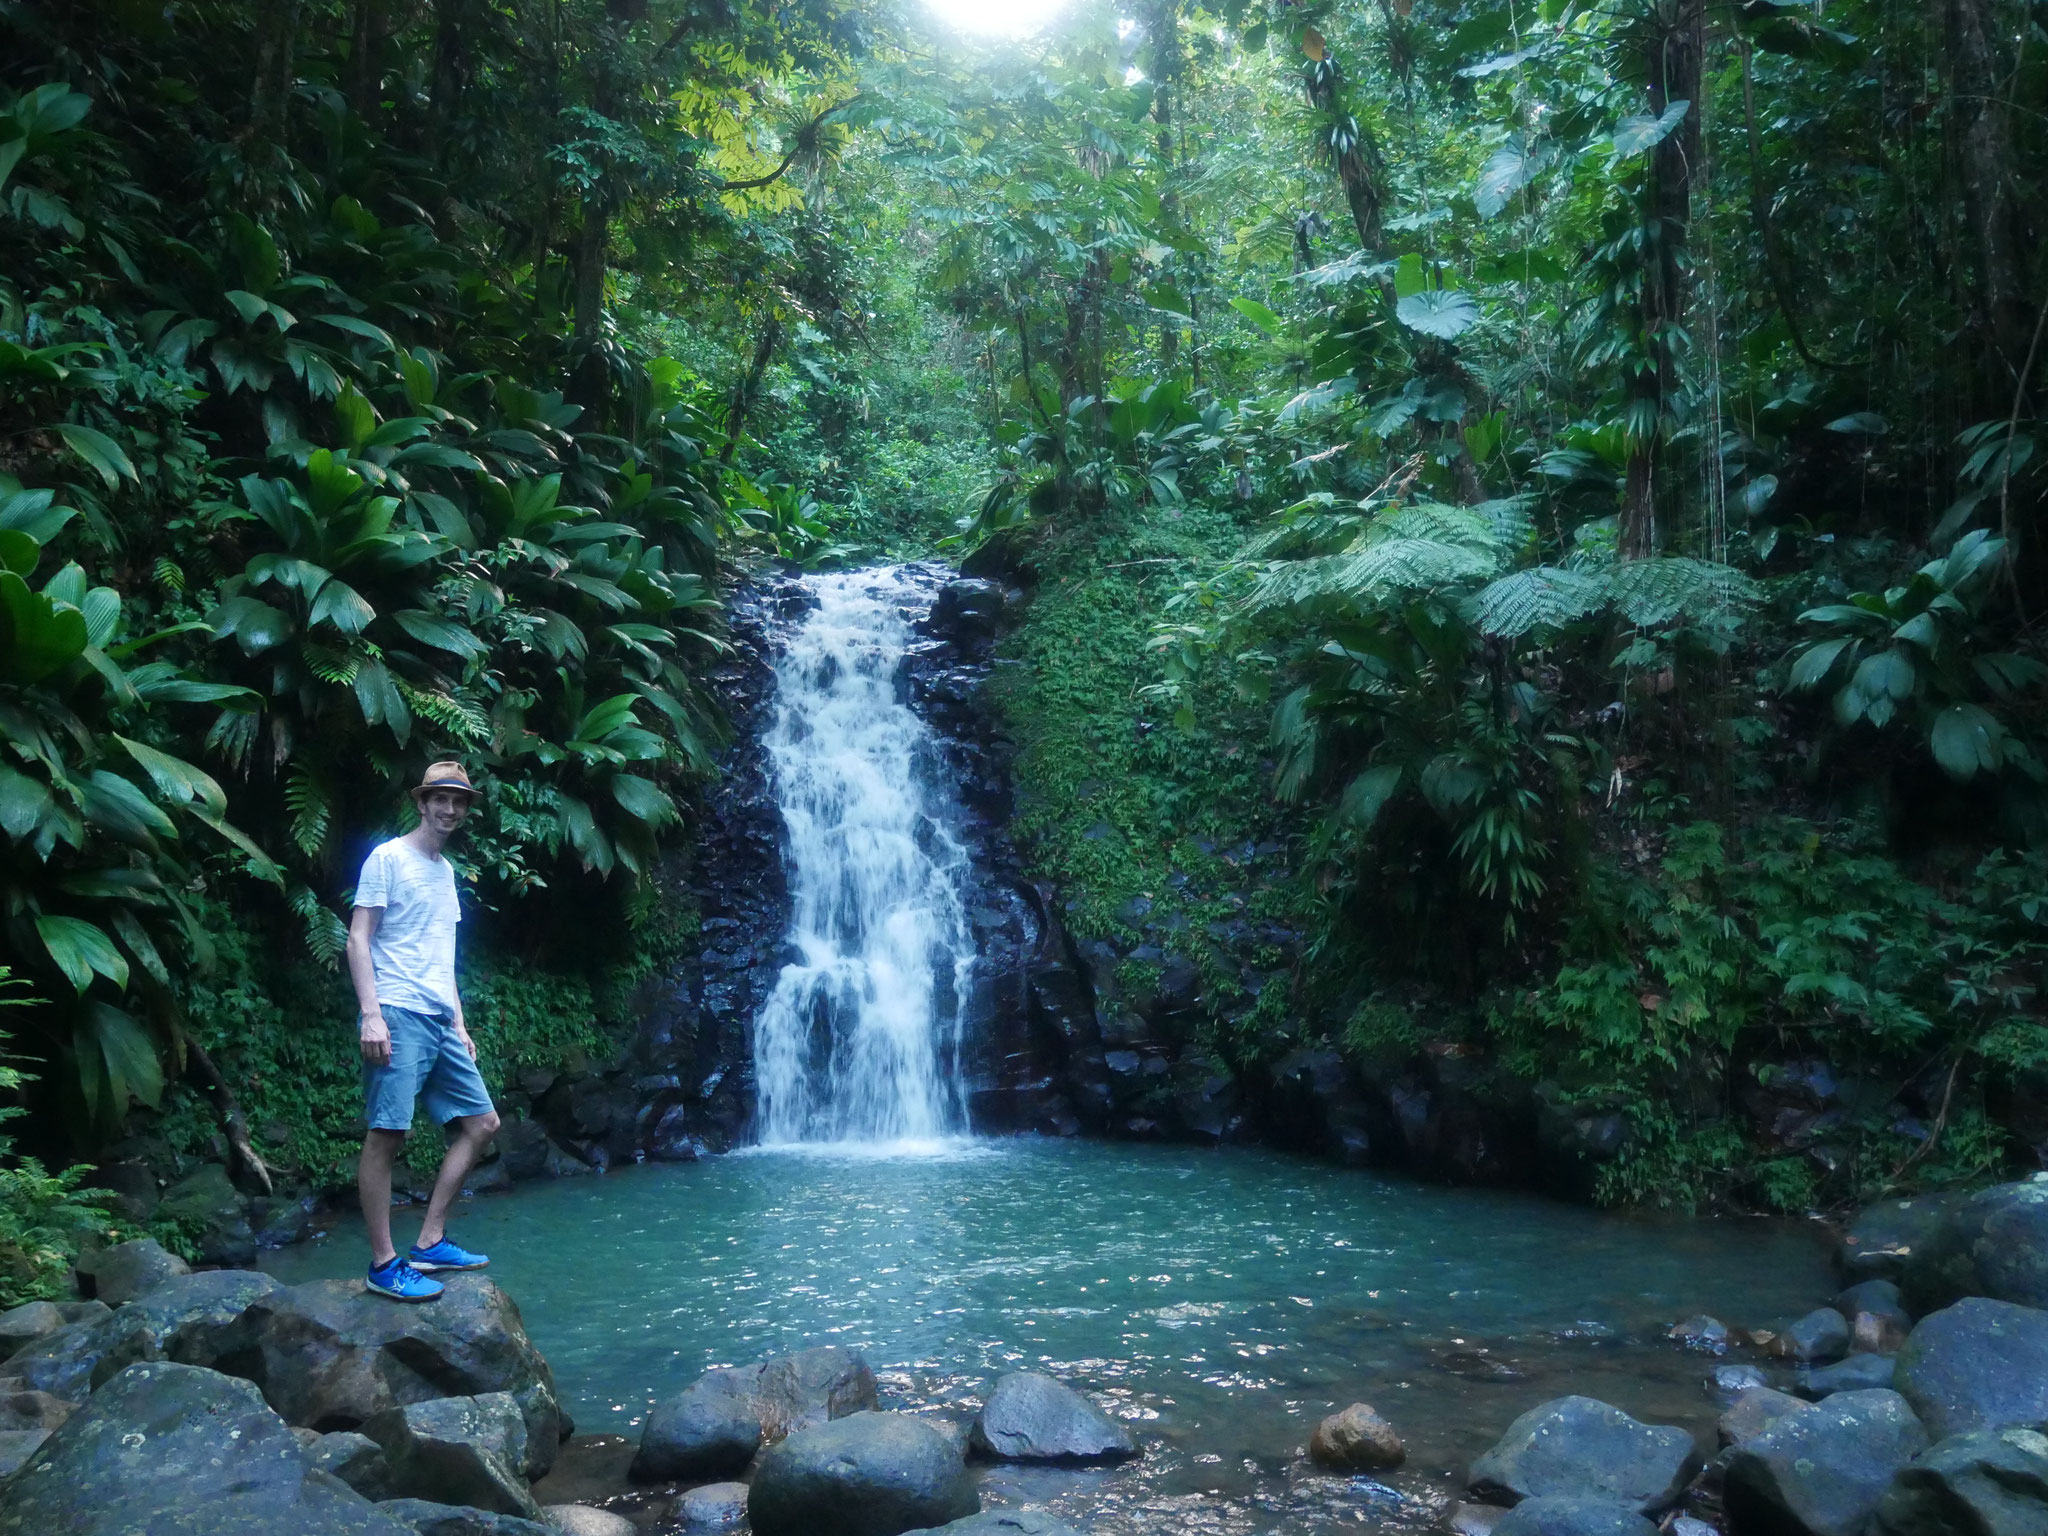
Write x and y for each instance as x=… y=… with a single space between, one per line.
x=427 y=1060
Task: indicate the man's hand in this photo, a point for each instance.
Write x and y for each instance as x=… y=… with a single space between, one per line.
x=468 y=1044
x=375 y=1036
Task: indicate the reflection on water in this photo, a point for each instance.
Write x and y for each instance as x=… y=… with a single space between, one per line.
x=1222 y=1301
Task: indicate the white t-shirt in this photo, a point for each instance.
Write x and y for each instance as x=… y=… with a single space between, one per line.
x=413 y=950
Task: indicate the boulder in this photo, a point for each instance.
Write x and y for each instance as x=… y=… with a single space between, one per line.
x=206 y=1205
x=187 y=1318
x=1885 y=1237
x=714 y=1506
x=1727 y=1383
x=23 y=1325
x=458 y=1450
x=1820 y=1336
x=1031 y=1417
x=1821 y=1472
x=16 y=1446
x=1578 y=1447
x=60 y=1363
x=717 y=1423
x=1555 y=1516
x=356 y=1459
x=32 y=1410
x=869 y=1474
x=1753 y=1413
x=423 y=1517
x=1989 y=1482
x=1356 y=1440
x=1002 y=1522
x=1980 y=1364
x=1992 y=1243
x=1700 y=1335
x=130 y=1270
x=329 y=1355
x=1858 y=1373
x=169 y=1448
x=1878 y=1319
x=583 y=1520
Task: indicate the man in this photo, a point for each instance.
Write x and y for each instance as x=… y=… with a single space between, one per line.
x=401 y=957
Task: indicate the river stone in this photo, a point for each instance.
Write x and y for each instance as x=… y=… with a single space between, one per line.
x=61 y=1363
x=458 y=1450
x=869 y=1474
x=1821 y=1472
x=1726 y=1383
x=1356 y=1440
x=187 y=1318
x=32 y=1410
x=1992 y=1243
x=426 y=1518
x=714 y=1506
x=1556 y=1516
x=1700 y=1335
x=1579 y=1447
x=1858 y=1373
x=1031 y=1417
x=128 y=1271
x=204 y=1203
x=356 y=1459
x=17 y=1445
x=23 y=1325
x=1001 y=1522
x=1820 y=1336
x=1990 y=1482
x=583 y=1520
x=1753 y=1413
x=1885 y=1237
x=1979 y=1364
x=168 y=1448
x=717 y=1423
x=329 y=1355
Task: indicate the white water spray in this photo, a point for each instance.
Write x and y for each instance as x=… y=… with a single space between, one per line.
x=860 y=1040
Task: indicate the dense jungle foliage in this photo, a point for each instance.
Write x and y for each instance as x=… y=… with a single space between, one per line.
x=1543 y=501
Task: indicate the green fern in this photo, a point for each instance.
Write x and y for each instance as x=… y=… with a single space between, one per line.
x=465 y=722
x=312 y=808
x=1543 y=597
x=331 y=666
x=326 y=935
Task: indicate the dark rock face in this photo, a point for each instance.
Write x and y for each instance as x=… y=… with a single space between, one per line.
x=1754 y=1412
x=186 y=1318
x=1815 y=1339
x=21 y=1411
x=173 y=1448
x=330 y=1356
x=1857 y=1373
x=127 y=1271
x=426 y=1518
x=1821 y=1472
x=1987 y=1483
x=206 y=1203
x=719 y=1421
x=33 y=1321
x=1992 y=1243
x=356 y=1459
x=1885 y=1237
x=1572 y=1517
x=458 y=1450
x=1578 y=1447
x=1032 y=1417
x=1979 y=1364
x=871 y=1474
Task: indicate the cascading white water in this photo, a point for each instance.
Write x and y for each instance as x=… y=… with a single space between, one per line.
x=859 y=1041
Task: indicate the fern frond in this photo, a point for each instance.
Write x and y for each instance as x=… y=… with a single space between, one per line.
x=312 y=808
x=1435 y=522
x=331 y=666
x=326 y=936
x=1544 y=597
x=168 y=575
x=1652 y=592
x=465 y=722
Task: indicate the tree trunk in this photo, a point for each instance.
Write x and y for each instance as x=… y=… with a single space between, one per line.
x=1986 y=166
x=365 y=88
x=1166 y=72
x=270 y=88
x=749 y=386
x=234 y=1126
x=1675 y=49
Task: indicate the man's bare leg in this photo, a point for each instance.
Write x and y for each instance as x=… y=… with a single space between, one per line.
x=373 y=1188
x=472 y=1134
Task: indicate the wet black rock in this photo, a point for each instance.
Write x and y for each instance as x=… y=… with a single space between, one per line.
x=1979 y=1364
x=1556 y=1516
x=1992 y=1243
x=1032 y=1417
x=34 y=1321
x=870 y=1474
x=356 y=1459
x=1727 y=1383
x=1700 y=1335
x=1878 y=1319
x=458 y=1450
x=1753 y=1413
x=188 y=1318
x=1885 y=1237
x=1002 y=1522
x=1578 y=1447
x=1986 y=1483
x=427 y=1518
x=716 y=1424
x=1821 y=1472
x=1815 y=1339
x=129 y=1270
x=1856 y=1373
x=176 y=1448
x=206 y=1205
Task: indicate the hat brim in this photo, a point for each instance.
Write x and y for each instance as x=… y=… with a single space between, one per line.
x=424 y=790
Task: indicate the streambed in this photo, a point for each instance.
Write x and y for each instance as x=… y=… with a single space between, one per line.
x=1223 y=1301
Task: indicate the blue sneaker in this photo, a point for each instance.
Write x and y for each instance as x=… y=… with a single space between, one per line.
x=444 y=1255
x=401 y=1282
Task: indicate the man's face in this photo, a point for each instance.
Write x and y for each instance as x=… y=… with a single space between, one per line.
x=444 y=809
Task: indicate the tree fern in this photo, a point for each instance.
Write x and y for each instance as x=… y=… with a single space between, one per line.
x=326 y=935
x=1543 y=597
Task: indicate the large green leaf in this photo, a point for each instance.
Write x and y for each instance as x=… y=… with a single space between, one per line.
x=643 y=800
x=123 y=1050
x=1634 y=134
x=1445 y=313
x=442 y=634
x=23 y=803
x=37 y=636
x=1367 y=795
x=99 y=451
x=81 y=951
x=1507 y=170
x=1967 y=740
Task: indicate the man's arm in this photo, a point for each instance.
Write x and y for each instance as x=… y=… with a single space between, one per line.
x=461 y=1033
x=372 y=1032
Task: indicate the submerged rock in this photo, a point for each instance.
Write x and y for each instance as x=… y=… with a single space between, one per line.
x=459 y=1450
x=583 y=1520
x=1356 y=1440
x=1700 y=1335
x=1821 y=1472
x=1031 y=1417
x=1727 y=1383
x=870 y=1474
x=717 y=1423
x=714 y=1506
x=131 y=1270
x=1001 y=1522
x=1578 y=1447
x=1979 y=1364
x=1990 y=1482
x=1555 y=1516
x=170 y=1448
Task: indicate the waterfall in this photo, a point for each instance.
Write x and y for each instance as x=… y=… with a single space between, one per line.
x=859 y=1041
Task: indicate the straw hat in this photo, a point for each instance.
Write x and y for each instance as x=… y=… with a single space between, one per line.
x=447 y=774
